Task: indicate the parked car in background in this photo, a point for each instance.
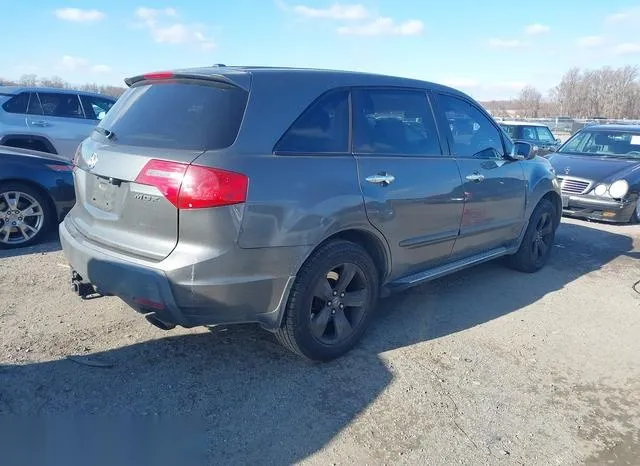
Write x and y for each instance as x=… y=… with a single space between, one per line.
x=599 y=173
x=49 y=120
x=200 y=205
x=536 y=134
x=36 y=192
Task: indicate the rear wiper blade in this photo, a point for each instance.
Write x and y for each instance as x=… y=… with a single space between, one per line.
x=105 y=132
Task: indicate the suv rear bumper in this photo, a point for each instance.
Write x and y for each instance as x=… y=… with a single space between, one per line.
x=164 y=295
x=595 y=208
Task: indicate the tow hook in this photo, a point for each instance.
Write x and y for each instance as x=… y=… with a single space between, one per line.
x=81 y=288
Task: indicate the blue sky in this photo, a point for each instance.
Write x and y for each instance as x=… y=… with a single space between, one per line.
x=489 y=49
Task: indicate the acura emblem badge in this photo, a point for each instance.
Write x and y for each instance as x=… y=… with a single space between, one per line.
x=93 y=160
x=566 y=170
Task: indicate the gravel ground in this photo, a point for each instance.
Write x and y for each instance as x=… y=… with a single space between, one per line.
x=486 y=366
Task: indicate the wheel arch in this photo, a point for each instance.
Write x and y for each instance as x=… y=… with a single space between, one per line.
x=46 y=142
x=41 y=190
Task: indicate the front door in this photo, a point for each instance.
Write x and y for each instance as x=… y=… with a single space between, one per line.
x=410 y=188
x=494 y=186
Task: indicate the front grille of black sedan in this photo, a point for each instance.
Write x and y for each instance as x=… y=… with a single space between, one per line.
x=570 y=185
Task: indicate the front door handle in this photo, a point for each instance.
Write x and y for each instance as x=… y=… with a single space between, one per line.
x=475 y=177
x=381 y=178
x=40 y=123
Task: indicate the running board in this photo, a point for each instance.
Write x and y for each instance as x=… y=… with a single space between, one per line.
x=431 y=274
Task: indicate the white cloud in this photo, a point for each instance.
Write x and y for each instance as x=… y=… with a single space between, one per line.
x=100 y=69
x=536 y=29
x=630 y=15
x=590 y=41
x=384 y=27
x=162 y=32
x=79 y=16
x=336 y=11
x=72 y=63
x=506 y=43
x=627 y=48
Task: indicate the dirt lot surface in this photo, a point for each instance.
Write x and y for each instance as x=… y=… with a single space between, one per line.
x=484 y=367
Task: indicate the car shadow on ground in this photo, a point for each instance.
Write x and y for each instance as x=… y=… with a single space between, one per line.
x=256 y=403
x=51 y=243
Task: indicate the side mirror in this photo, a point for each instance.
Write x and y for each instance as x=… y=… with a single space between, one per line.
x=522 y=151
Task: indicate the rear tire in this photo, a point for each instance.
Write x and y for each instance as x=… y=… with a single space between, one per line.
x=538 y=240
x=25 y=215
x=330 y=302
x=635 y=216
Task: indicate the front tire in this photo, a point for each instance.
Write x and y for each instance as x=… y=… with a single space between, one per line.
x=330 y=302
x=25 y=216
x=538 y=240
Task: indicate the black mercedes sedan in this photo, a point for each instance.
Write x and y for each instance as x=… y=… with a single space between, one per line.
x=36 y=192
x=599 y=173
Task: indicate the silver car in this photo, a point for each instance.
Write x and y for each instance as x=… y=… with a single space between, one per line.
x=49 y=120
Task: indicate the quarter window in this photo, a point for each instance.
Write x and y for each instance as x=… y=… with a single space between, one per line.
x=61 y=105
x=544 y=134
x=17 y=104
x=471 y=132
x=323 y=128
x=397 y=122
x=95 y=108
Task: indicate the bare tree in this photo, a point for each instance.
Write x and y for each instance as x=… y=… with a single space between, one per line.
x=529 y=101
x=29 y=80
x=53 y=81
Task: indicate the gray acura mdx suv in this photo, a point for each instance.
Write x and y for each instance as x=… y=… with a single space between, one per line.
x=295 y=198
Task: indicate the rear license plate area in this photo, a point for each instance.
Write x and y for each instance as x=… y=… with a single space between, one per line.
x=103 y=195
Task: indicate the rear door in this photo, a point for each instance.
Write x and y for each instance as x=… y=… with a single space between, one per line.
x=60 y=117
x=494 y=186
x=411 y=190
x=131 y=169
x=13 y=116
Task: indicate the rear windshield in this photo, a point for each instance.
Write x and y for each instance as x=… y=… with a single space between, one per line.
x=177 y=115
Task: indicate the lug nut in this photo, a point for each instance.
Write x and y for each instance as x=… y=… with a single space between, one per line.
x=342 y=295
x=341 y=306
x=335 y=293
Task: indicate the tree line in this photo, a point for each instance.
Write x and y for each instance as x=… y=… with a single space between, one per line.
x=612 y=93
x=32 y=80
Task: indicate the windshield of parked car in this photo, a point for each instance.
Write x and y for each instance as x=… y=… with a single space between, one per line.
x=604 y=144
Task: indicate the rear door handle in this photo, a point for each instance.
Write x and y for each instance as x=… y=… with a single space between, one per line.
x=40 y=123
x=475 y=177
x=381 y=178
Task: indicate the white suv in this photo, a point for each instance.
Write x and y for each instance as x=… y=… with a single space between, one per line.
x=49 y=120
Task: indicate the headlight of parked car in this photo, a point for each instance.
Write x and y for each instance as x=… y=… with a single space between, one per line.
x=619 y=189
x=601 y=190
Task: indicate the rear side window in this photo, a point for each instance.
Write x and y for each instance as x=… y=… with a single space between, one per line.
x=529 y=133
x=323 y=128
x=61 y=105
x=17 y=104
x=177 y=115
x=393 y=122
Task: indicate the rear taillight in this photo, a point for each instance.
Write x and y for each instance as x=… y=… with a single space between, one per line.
x=194 y=186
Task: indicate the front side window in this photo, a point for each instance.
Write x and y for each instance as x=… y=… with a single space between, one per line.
x=544 y=134
x=471 y=132
x=61 y=105
x=323 y=128
x=397 y=122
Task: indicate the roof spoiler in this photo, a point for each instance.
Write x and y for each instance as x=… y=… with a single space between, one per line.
x=164 y=75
